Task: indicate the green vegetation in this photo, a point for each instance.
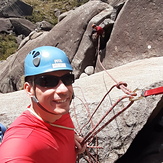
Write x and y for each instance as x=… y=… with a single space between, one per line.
x=45 y=9
x=8 y=45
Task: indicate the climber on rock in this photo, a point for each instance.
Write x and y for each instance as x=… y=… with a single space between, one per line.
x=98 y=32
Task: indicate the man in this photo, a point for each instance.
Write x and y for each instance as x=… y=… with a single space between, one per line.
x=44 y=133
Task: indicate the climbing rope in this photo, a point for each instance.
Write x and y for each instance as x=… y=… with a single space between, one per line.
x=131 y=95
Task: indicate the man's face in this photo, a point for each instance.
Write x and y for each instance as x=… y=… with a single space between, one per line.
x=55 y=99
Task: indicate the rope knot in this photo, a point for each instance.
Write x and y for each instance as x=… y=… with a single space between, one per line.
x=121 y=83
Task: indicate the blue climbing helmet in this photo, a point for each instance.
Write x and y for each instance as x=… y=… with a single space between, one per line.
x=46 y=59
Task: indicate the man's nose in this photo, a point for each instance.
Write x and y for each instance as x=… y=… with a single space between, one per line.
x=61 y=87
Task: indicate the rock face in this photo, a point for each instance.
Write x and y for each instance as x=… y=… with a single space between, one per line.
x=133 y=54
x=135 y=34
x=127 y=39
x=116 y=138
x=72 y=37
x=120 y=133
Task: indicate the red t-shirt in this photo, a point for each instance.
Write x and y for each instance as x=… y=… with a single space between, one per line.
x=99 y=30
x=30 y=140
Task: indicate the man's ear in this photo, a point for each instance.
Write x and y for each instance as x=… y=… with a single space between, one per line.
x=28 y=88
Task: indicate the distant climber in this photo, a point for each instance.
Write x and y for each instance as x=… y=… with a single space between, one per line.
x=98 y=31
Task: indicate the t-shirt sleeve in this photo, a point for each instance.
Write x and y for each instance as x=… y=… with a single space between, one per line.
x=16 y=151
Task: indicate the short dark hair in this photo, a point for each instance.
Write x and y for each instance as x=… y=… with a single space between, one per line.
x=28 y=79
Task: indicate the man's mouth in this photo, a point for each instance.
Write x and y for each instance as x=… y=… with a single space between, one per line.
x=60 y=101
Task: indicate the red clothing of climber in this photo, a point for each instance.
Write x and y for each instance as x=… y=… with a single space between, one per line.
x=37 y=141
x=45 y=132
x=98 y=33
x=98 y=30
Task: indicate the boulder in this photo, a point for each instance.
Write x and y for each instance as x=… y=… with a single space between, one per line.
x=44 y=25
x=6 y=26
x=17 y=26
x=22 y=26
x=14 y=8
x=89 y=70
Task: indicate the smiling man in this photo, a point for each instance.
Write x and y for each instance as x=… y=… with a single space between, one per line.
x=44 y=133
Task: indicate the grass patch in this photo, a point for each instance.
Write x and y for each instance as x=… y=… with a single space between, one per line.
x=8 y=45
x=45 y=9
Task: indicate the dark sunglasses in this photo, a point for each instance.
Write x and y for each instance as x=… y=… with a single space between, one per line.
x=50 y=81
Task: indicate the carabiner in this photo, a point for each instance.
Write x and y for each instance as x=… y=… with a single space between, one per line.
x=138 y=96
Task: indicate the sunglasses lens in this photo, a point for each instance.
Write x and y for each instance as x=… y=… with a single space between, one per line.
x=52 y=81
x=67 y=79
x=47 y=81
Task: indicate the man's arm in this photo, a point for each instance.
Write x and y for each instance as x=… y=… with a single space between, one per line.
x=15 y=150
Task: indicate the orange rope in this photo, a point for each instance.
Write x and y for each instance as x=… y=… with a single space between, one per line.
x=120 y=85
